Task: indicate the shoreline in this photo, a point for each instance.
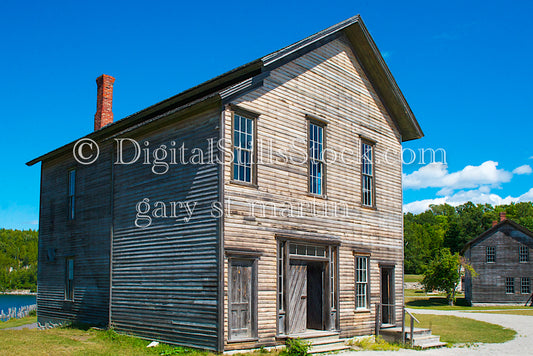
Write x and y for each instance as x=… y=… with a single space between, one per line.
x=19 y=292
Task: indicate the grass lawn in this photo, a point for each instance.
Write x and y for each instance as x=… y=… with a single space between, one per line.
x=440 y=303
x=411 y=278
x=12 y=323
x=74 y=341
x=455 y=330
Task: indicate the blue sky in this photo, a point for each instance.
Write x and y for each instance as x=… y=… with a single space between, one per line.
x=464 y=67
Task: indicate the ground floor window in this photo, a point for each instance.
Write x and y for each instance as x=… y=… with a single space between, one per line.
x=525 y=285
x=361 y=282
x=242 y=299
x=509 y=285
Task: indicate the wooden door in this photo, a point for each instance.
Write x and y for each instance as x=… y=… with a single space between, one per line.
x=297 y=297
x=387 y=299
x=240 y=300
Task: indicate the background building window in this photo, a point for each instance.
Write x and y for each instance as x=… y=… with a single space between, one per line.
x=367 y=174
x=243 y=148
x=69 y=279
x=509 y=285
x=361 y=282
x=71 y=193
x=316 y=158
x=523 y=254
x=491 y=254
x=525 y=285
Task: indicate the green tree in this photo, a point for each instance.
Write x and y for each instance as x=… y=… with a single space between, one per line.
x=443 y=273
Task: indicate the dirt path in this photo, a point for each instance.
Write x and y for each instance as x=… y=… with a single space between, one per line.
x=521 y=345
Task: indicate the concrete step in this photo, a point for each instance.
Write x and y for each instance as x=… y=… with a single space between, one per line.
x=325 y=348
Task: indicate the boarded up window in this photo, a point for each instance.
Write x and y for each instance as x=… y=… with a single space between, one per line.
x=241 y=299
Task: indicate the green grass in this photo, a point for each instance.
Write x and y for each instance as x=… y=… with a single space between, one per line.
x=440 y=303
x=455 y=330
x=77 y=341
x=12 y=323
x=369 y=343
x=411 y=278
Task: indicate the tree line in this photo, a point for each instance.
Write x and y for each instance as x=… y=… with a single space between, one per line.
x=18 y=259
x=447 y=227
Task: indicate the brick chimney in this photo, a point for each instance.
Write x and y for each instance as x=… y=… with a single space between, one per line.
x=503 y=216
x=104 y=101
x=494 y=222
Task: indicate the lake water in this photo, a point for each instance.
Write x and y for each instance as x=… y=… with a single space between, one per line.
x=10 y=301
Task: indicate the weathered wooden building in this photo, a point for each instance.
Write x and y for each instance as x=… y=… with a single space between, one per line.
x=501 y=258
x=281 y=215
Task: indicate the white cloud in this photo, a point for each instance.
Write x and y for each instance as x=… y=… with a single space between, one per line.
x=477 y=196
x=525 y=169
x=436 y=175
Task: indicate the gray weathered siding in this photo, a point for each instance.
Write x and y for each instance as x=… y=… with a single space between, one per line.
x=165 y=276
x=86 y=238
x=489 y=285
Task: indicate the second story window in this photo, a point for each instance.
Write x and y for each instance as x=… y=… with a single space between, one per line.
x=491 y=254
x=316 y=158
x=71 y=194
x=523 y=254
x=243 y=149
x=367 y=174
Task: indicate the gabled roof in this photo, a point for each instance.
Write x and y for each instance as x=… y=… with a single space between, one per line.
x=212 y=90
x=495 y=228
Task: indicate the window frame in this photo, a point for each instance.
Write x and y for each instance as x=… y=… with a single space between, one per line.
x=509 y=285
x=523 y=256
x=69 y=282
x=525 y=288
x=253 y=117
x=71 y=193
x=372 y=191
x=366 y=283
x=312 y=120
x=492 y=254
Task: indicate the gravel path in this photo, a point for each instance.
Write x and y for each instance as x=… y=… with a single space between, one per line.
x=521 y=345
x=27 y=326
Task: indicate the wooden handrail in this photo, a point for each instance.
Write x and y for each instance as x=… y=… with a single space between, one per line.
x=528 y=299
x=411 y=325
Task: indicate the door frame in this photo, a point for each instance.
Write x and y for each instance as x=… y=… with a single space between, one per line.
x=330 y=313
x=253 y=297
x=390 y=268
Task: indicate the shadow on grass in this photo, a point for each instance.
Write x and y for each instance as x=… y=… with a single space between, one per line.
x=435 y=302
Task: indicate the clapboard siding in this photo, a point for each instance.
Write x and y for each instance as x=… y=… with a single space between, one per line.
x=329 y=83
x=165 y=276
x=86 y=239
x=489 y=285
